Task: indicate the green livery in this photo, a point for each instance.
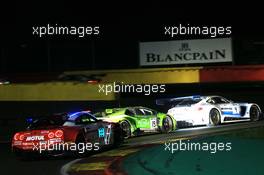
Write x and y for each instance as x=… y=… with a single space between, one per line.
x=138 y=119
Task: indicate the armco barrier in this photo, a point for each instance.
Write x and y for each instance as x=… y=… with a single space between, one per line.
x=145 y=76
x=232 y=74
x=53 y=92
x=180 y=75
x=58 y=91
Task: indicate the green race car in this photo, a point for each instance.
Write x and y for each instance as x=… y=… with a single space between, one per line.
x=137 y=120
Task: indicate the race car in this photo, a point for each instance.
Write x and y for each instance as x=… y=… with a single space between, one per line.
x=138 y=120
x=77 y=133
x=209 y=110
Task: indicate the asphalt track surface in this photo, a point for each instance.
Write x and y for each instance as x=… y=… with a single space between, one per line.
x=11 y=166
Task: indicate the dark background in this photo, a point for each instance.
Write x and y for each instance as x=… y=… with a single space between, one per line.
x=122 y=27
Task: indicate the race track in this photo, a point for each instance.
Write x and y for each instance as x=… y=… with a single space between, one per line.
x=11 y=166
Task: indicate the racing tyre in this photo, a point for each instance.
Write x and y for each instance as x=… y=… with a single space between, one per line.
x=215 y=117
x=126 y=127
x=167 y=124
x=119 y=136
x=254 y=113
x=80 y=140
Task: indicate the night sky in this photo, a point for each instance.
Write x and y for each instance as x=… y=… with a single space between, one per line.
x=121 y=29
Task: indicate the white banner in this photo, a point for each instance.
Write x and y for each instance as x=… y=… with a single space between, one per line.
x=185 y=52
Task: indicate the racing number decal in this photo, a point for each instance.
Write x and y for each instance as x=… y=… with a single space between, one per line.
x=153 y=123
x=236 y=110
x=101 y=132
x=105 y=133
x=108 y=135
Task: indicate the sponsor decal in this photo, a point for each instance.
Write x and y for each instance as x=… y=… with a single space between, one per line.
x=34 y=138
x=101 y=132
x=186 y=52
x=108 y=135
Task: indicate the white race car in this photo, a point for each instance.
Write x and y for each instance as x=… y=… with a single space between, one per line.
x=209 y=110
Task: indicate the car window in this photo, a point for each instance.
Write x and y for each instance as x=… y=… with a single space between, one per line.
x=153 y=112
x=139 y=111
x=129 y=112
x=147 y=112
x=42 y=122
x=217 y=100
x=85 y=119
x=211 y=101
x=189 y=101
x=80 y=118
x=223 y=100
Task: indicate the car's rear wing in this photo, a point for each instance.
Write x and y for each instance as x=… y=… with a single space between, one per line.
x=167 y=101
x=170 y=101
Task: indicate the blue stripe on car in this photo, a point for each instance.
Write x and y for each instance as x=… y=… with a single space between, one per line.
x=230 y=113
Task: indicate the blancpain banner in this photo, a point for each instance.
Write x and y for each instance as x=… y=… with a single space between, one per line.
x=185 y=52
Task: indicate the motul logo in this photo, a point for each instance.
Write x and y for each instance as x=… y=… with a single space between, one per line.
x=32 y=138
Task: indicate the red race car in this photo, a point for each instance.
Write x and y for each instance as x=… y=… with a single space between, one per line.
x=78 y=133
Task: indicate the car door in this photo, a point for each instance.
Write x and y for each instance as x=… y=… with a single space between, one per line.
x=141 y=119
x=227 y=107
x=90 y=126
x=98 y=131
x=145 y=119
x=153 y=119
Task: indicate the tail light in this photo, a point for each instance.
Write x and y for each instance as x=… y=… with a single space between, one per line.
x=51 y=135
x=21 y=137
x=58 y=133
x=16 y=136
x=92 y=81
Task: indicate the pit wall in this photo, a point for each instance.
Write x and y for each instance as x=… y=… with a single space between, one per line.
x=53 y=91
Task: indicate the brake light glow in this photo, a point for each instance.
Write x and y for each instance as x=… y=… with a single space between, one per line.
x=16 y=136
x=59 y=133
x=51 y=135
x=21 y=137
x=92 y=81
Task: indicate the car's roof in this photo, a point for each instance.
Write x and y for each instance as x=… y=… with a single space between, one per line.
x=196 y=97
x=73 y=116
x=187 y=97
x=130 y=107
x=123 y=109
